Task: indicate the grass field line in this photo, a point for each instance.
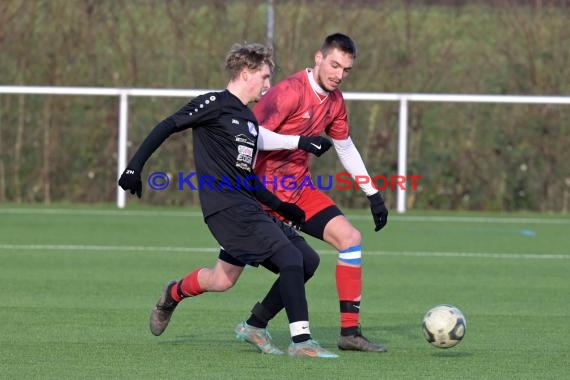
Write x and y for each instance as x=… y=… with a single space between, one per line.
x=127 y=248
x=185 y=214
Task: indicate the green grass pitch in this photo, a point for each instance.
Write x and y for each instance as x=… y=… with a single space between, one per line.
x=77 y=284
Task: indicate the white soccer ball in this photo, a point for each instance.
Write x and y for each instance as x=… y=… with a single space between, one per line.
x=444 y=326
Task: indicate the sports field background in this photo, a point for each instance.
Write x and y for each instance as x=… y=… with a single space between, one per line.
x=77 y=285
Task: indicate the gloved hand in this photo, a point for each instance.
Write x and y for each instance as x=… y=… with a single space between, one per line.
x=292 y=213
x=131 y=180
x=379 y=211
x=314 y=144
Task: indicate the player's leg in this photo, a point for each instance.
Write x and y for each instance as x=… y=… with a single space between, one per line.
x=218 y=279
x=326 y=222
x=289 y=262
x=348 y=271
x=272 y=304
x=261 y=240
x=254 y=330
x=223 y=276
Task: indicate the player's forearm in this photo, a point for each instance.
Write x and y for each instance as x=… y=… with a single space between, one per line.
x=263 y=195
x=154 y=139
x=352 y=162
x=269 y=140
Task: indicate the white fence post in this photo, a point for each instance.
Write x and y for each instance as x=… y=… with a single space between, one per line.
x=122 y=144
x=402 y=152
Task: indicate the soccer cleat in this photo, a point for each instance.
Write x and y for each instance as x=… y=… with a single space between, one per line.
x=310 y=348
x=162 y=311
x=358 y=342
x=257 y=337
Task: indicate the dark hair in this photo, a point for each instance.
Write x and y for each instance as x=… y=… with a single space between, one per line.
x=339 y=41
x=252 y=56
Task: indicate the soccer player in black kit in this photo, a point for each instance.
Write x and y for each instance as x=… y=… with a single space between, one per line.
x=225 y=134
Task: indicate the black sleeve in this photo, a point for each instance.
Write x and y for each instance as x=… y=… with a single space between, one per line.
x=263 y=195
x=200 y=111
x=154 y=139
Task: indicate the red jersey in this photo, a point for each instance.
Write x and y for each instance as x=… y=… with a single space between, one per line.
x=296 y=106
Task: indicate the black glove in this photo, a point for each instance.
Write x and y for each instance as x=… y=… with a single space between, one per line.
x=314 y=144
x=379 y=211
x=292 y=213
x=131 y=180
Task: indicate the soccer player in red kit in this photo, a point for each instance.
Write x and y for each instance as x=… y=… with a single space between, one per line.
x=309 y=103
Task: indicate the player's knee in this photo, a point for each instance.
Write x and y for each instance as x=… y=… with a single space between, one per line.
x=288 y=256
x=311 y=258
x=349 y=239
x=310 y=264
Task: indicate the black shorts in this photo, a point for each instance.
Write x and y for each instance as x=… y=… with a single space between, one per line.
x=249 y=234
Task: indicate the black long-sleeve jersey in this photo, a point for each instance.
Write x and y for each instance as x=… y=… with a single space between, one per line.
x=224 y=134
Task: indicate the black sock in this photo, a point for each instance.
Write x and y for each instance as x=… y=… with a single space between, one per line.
x=260 y=316
x=348 y=331
x=301 y=338
x=292 y=289
x=256 y=322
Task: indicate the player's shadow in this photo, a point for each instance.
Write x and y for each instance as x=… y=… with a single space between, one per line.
x=326 y=336
x=404 y=330
x=229 y=342
x=193 y=339
x=446 y=353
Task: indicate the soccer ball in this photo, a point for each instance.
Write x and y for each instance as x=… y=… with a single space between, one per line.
x=444 y=326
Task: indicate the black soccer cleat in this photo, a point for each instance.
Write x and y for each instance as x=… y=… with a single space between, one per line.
x=358 y=342
x=162 y=311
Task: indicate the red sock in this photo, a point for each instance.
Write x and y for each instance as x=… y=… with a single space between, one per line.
x=349 y=288
x=187 y=287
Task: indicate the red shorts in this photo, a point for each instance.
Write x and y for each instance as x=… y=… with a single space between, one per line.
x=312 y=201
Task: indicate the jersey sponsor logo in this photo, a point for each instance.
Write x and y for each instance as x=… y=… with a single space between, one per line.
x=243 y=166
x=251 y=128
x=244 y=158
x=246 y=150
x=241 y=138
x=306 y=115
x=234 y=121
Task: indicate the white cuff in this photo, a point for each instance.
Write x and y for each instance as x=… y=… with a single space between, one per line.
x=269 y=140
x=299 y=328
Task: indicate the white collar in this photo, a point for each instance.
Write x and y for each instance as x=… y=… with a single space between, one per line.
x=318 y=89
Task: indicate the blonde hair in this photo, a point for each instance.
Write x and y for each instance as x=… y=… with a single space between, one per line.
x=251 y=56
